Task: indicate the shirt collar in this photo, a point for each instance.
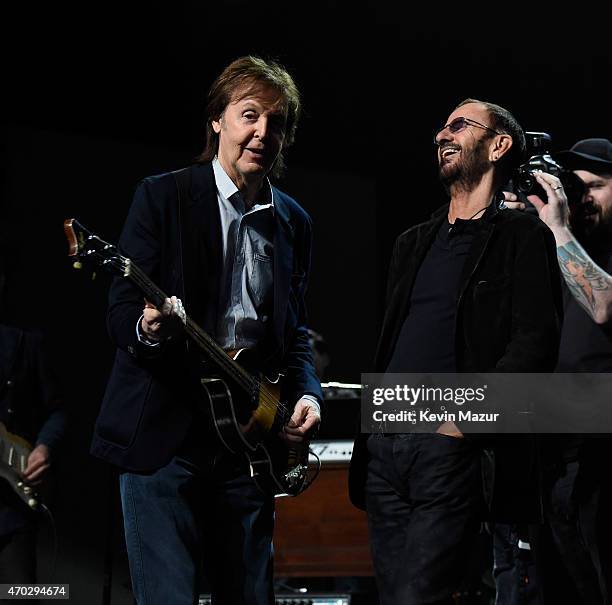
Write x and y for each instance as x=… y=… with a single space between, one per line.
x=227 y=188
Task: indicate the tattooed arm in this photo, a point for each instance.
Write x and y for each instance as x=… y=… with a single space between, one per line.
x=589 y=284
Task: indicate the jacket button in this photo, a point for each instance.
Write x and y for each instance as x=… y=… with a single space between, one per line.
x=130 y=349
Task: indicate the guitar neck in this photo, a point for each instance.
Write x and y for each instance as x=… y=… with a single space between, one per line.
x=212 y=350
x=83 y=244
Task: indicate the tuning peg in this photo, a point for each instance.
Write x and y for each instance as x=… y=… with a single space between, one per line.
x=77 y=264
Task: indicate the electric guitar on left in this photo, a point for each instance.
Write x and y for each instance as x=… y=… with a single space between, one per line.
x=14 y=452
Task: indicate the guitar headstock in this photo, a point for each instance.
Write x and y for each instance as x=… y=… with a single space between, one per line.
x=83 y=245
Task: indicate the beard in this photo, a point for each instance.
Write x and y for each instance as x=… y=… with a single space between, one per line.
x=465 y=173
x=596 y=230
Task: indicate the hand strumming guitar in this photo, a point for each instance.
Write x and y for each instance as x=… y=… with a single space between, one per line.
x=303 y=423
x=39 y=462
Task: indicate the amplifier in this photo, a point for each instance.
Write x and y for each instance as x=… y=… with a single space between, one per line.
x=342 y=402
x=294 y=599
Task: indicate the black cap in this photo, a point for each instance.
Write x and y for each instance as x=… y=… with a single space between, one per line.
x=594 y=155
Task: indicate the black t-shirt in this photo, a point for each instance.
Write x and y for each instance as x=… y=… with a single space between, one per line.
x=426 y=342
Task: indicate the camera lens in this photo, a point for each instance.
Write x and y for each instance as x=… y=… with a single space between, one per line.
x=525 y=180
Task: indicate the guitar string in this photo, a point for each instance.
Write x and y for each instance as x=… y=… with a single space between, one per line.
x=266 y=399
x=221 y=358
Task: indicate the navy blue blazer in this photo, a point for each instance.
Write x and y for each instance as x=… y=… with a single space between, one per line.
x=151 y=398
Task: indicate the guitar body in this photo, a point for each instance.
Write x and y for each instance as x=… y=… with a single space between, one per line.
x=14 y=453
x=249 y=425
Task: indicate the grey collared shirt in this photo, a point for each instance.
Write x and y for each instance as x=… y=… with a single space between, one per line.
x=246 y=294
x=247 y=276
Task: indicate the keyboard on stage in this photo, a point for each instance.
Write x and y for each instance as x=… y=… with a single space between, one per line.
x=332 y=451
x=299 y=599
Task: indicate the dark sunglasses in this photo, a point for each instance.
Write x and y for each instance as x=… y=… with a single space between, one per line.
x=459 y=124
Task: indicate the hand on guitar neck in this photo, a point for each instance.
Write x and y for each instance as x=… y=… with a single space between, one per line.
x=160 y=324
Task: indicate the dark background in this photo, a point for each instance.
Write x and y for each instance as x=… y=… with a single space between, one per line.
x=97 y=97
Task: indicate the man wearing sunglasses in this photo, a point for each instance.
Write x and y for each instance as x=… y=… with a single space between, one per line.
x=470 y=290
x=572 y=550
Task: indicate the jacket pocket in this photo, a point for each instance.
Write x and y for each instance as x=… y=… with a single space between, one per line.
x=124 y=402
x=260 y=280
x=490 y=290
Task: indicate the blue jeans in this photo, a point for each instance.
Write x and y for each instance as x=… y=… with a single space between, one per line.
x=424 y=503
x=184 y=518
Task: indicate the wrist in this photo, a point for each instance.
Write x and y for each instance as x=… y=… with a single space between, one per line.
x=562 y=234
x=148 y=334
x=145 y=337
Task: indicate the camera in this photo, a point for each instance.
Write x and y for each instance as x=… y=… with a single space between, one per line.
x=538 y=150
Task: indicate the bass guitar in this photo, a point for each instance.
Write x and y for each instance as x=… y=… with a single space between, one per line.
x=245 y=407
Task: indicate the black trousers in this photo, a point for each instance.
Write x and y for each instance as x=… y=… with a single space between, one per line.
x=18 y=559
x=424 y=503
x=573 y=549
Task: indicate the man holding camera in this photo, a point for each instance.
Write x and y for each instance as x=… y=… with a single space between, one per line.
x=575 y=540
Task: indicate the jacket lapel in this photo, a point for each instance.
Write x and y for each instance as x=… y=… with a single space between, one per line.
x=406 y=274
x=425 y=237
x=283 y=265
x=201 y=247
x=478 y=247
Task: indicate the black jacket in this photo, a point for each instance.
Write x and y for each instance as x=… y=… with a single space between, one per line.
x=30 y=408
x=150 y=401
x=30 y=399
x=509 y=306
